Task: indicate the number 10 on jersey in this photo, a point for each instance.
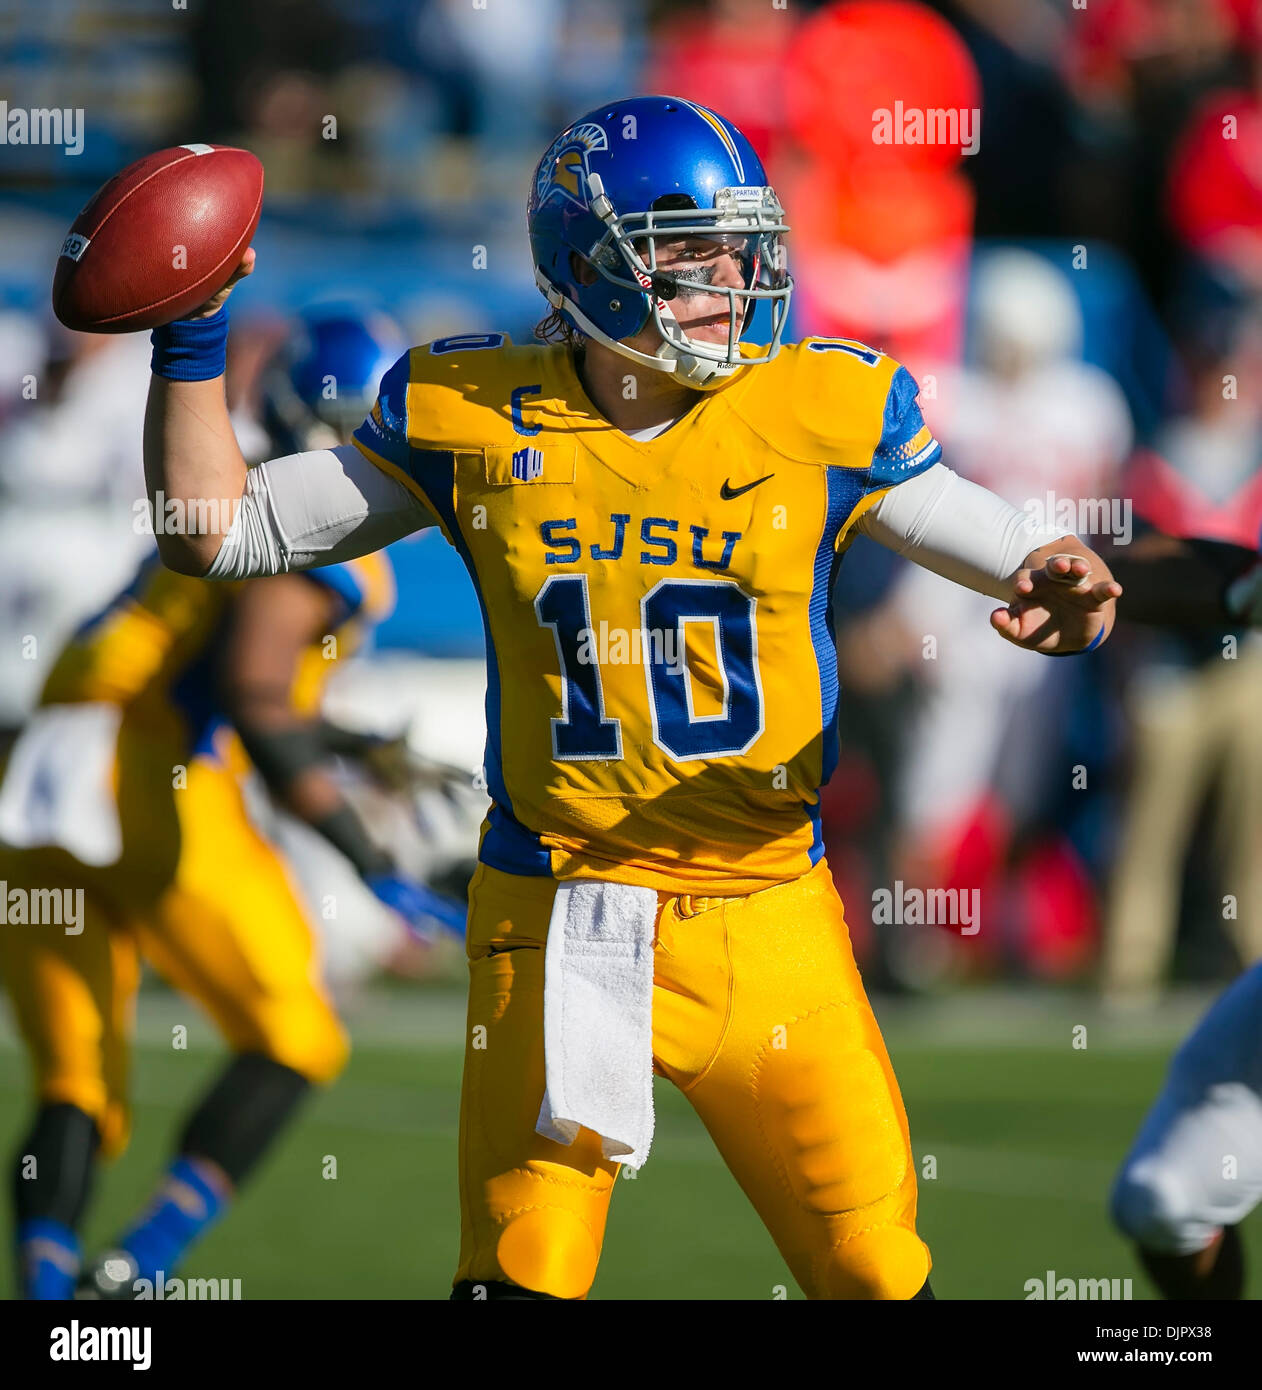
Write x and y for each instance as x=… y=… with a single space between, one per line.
x=583 y=732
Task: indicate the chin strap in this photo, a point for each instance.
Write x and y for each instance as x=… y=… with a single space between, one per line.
x=701 y=373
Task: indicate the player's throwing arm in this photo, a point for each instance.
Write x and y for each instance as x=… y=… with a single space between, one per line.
x=191 y=452
x=159 y=247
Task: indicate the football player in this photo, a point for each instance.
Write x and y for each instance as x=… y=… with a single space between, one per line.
x=126 y=785
x=652 y=511
x=1194 y=1171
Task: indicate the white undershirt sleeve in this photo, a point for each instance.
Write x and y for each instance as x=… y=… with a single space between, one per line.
x=956 y=529
x=315 y=508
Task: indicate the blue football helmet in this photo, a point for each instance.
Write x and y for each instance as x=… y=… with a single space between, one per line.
x=323 y=380
x=633 y=173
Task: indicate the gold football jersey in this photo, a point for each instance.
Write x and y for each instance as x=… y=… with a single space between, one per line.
x=161 y=638
x=662 y=680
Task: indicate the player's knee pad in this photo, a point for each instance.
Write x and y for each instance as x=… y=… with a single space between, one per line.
x=549 y=1248
x=886 y=1263
x=539 y=1225
x=1150 y=1205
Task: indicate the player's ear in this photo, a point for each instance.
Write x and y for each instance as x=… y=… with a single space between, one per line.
x=582 y=269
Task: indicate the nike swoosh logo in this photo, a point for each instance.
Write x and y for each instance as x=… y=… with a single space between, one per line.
x=727 y=491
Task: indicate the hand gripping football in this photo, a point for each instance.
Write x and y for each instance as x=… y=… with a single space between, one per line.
x=159 y=239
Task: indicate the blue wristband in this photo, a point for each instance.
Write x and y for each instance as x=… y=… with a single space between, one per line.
x=191 y=349
x=1082 y=651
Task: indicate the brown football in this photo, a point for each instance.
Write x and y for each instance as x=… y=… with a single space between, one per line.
x=158 y=239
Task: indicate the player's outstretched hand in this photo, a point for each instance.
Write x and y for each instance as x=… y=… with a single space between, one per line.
x=215 y=302
x=1058 y=606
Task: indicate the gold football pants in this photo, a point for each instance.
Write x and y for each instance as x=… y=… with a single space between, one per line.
x=201 y=895
x=760 y=1018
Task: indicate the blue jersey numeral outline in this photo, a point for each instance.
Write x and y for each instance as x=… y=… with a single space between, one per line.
x=466 y=342
x=584 y=733
x=867 y=355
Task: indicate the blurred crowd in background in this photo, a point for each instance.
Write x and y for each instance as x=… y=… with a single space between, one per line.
x=1077 y=289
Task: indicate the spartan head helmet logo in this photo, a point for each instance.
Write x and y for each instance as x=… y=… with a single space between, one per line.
x=563 y=170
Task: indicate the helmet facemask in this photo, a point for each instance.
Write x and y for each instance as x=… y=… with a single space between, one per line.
x=748 y=219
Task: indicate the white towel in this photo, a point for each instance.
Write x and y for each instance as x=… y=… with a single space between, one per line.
x=59 y=785
x=598 y=1018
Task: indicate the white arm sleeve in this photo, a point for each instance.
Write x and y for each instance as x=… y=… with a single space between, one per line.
x=316 y=508
x=956 y=529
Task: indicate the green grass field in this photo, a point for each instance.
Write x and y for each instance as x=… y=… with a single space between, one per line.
x=1026 y=1131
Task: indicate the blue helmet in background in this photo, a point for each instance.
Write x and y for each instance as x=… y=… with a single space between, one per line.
x=635 y=172
x=323 y=380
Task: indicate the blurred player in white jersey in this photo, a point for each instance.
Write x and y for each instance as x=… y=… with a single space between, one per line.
x=1041 y=429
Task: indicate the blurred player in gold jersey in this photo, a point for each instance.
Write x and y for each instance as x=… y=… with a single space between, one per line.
x=126 y=789
x=652 y=511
